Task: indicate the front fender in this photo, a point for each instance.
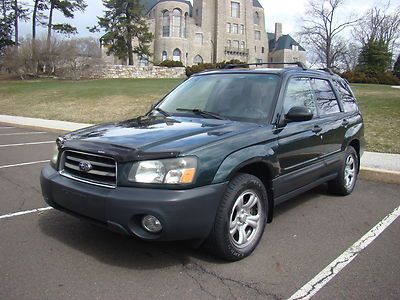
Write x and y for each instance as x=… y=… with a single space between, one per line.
x=255 y=154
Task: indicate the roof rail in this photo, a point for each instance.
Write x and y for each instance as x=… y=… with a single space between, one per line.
x=329 y=70
x=233 y=66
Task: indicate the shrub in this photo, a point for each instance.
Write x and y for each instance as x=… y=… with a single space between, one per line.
x=382 y=78
x=171 y=64
x=208 y=66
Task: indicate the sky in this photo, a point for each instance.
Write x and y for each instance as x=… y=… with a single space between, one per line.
x=288 y=12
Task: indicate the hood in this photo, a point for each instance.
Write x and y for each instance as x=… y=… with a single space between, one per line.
x=152 y=137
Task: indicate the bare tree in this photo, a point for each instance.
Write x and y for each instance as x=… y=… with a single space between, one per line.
x=378 y=24
x=322 y=31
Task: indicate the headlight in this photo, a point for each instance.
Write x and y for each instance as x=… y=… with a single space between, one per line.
x=181 y=170
x=54 y=157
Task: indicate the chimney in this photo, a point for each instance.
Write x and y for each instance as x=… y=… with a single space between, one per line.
x=278 y=31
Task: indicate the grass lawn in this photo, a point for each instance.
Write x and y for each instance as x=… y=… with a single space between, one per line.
x=95 y=101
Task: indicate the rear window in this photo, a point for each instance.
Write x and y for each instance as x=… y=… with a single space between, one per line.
x=346 y=96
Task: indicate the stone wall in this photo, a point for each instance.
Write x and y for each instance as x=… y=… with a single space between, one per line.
x=122 y=71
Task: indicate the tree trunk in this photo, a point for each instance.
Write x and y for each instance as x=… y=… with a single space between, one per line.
x=16 y=29
x=50 y=25
x=34 y=14
x=130 y=48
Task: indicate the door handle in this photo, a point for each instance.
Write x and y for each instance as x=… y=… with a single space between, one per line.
x=317 y=129
x=345 y=122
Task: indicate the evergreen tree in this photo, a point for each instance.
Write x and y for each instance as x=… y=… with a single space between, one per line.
x=67 y=8
x=124 y=24
x=396 y=68
x=375 y=58
x=6 y=23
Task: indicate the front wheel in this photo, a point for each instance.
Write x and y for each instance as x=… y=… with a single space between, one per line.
x=345 y=182
x=240 y=219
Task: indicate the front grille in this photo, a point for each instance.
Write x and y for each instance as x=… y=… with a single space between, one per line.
x=89 y=168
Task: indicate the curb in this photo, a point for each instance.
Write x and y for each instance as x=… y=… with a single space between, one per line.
x=52 y=125
x=379 y=175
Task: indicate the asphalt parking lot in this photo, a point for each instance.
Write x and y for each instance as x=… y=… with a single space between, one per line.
x=49 y=255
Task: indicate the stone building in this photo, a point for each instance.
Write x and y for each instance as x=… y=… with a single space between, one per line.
x=209 y=31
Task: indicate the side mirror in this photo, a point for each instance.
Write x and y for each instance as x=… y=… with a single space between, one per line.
x=298 y=114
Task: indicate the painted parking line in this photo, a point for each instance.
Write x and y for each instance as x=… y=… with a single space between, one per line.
x=26 y=144
x=21 y=213
x=24 y=164
x=22 y=133
x=319 y=281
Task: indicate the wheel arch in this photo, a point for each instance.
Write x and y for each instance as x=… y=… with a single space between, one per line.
x=263 y=170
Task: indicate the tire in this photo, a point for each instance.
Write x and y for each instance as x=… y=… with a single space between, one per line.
x=346 y=180
x=240 y=219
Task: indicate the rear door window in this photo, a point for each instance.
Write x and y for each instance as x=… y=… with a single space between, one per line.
x=345 y=94
x=325 y=97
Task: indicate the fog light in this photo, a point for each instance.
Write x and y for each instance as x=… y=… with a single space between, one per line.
x=151 y=224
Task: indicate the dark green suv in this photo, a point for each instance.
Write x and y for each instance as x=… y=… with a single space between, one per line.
x=211 y=160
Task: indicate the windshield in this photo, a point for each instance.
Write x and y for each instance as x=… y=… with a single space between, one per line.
x=243 y=97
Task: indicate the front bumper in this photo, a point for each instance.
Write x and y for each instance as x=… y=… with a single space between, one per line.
x=184 y=214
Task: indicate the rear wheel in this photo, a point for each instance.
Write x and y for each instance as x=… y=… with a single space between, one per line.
x=240 y=219
x=345 y=182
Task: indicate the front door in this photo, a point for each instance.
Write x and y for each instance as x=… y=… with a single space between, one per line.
x=300 y=143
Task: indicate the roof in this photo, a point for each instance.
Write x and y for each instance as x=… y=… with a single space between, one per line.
x=149 y=4
x=284 y=42
x=256 y=3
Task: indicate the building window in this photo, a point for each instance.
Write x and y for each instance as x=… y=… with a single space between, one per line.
x=164 y=55
x=241 y=29
x=257 y=35
x=262 y=50
x=185 y=26
x=229 y=43
x=228 y=27
x=242 y=45
x=176 y=23
x=235 y=10
x=259 y=60
x=197 y=60
x=177 y=55
x=235 y=28
x=295 y=59
x=198 y=38
x=295 y=47
x=143 y=61
x=235 y=44
x=166 y=23
x=256 y=18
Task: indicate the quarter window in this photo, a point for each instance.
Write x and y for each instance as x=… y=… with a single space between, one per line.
x=299 y=93
x=325 y=97
x=348 y=100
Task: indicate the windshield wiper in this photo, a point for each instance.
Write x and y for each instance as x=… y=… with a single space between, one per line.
x=161 y=111
x=202 y=112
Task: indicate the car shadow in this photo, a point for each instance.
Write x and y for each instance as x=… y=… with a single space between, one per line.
x=132 y=253
x=116 y=249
